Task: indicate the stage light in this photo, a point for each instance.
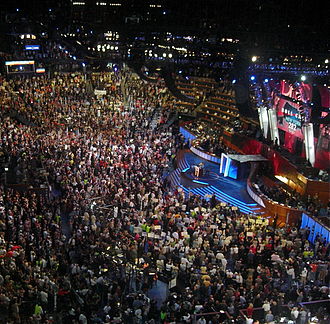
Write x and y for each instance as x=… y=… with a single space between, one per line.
x=266 y=80
x=170 y=55
x=303 y=78
x=253 y=58
x=326 y=61
x=83 y=64
x=252 y=78
x=233 y=82
x=164 y=54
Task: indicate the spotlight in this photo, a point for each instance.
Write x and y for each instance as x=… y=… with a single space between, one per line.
x=253 y=58
x=252 y=78
x=266 y=80
x=233 y=82
x=303 y=78
x=164 y=54
x=326 y=61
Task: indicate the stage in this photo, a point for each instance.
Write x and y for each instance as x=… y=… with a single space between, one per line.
x=226 y=189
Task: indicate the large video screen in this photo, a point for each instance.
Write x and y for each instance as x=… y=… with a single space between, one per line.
x=288 y=117
x=298 y=90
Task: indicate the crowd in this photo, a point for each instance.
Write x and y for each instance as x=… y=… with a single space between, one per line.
x=108 y=226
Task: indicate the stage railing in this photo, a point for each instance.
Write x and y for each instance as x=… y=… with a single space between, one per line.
x=253 y=194
x=204 y=155
x=285 y=215
x=195 y=149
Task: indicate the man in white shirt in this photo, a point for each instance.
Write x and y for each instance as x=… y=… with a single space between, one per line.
x=266 y=306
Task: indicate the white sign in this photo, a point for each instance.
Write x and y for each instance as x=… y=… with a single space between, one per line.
x=100 y=93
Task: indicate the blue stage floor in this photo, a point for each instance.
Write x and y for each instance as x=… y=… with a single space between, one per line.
x=232 y=187
x=230 y=191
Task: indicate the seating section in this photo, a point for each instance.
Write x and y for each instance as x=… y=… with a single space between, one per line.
x=219 y=109
x=195 y=87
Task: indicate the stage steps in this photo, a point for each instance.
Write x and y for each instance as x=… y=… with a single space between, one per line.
x=175 y=175
x=207 y=192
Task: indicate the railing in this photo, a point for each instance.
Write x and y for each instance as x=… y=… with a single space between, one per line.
x=259 y=314
x=253 y=194
x=221 y=316
x=315 y=305
x=204 y=155
x=284 y=214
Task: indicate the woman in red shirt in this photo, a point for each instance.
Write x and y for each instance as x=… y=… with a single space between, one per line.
x=249 y=310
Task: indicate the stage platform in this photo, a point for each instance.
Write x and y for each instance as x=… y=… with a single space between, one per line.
x=225 y=189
